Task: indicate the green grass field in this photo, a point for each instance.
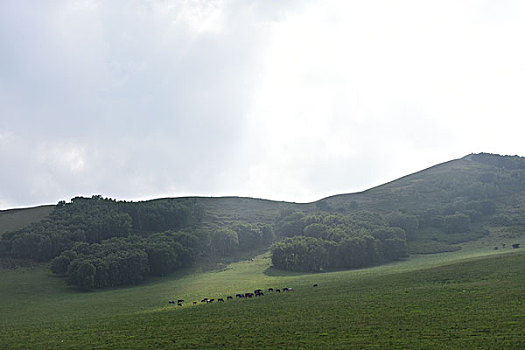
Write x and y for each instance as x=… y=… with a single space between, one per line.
x=451 y=300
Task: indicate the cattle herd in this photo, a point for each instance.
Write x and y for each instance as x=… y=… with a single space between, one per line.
x=256 y=293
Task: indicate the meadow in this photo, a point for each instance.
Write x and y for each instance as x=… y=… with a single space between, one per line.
x=451 y=300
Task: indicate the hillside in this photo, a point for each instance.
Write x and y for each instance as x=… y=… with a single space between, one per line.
x=15 y=219
x=478 y=199
x=453 y=300
x=138 y=256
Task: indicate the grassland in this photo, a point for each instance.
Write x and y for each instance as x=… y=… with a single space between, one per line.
x=452 y=300
x=15 y=219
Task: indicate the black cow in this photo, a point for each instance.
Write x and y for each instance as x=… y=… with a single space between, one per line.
x=194 y=303
x=257 y=291
x=316 y=285
x=270 y=289
x=287 y=289
x=171 y=302
x=220 y=300
x=180 y=301
x=248 y=295
x=229 y=297
x=259 y=294
x=278 y=290
x=179 y=304
x=204 y=300
x=516 y=245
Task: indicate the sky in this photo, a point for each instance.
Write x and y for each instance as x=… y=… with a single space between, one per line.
x=283 y=100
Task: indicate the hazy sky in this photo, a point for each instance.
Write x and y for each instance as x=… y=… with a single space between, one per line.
x=287 y=100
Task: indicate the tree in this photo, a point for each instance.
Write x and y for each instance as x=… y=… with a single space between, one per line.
x=407 y=222
x=225 y=241
x=81 y=273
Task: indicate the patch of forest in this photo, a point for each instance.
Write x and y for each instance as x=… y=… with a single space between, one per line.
x=100 y=242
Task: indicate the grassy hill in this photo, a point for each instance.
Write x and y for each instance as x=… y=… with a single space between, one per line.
x=465 y=295
x=15 y=219
x=456 y=300
x=458 y=186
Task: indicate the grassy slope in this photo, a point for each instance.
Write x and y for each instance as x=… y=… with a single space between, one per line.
x=15 y=219
x=426 y=187
x=456 y=299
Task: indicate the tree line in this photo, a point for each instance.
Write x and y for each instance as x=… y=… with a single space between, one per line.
x=95 y=219
x=125 y=260
x=318 y=241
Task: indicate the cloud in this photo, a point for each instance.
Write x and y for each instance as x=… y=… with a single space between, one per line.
x=286 y=100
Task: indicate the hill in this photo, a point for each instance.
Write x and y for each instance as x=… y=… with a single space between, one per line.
x=16 y=219
x=467 y=294
x=479 y=199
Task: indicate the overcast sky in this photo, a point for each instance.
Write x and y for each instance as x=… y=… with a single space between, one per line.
x=285 y=100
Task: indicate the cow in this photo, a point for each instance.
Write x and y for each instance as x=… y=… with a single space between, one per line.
x=316 y=285
x=270 y=289
x=288 y=289
x=248 y=295
x=516 y=245
x=239 y=295
x=229 y=297
x=257 y=291
x=194 y=303
x=220 y=300
x=171 y=302
x=259 y=294
x=278 y=290
x=180 y=301
x=179 y=304
x=204 y=300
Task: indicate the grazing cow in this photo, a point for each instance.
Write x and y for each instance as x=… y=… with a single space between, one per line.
x=194 y=303
x=285 y=289
x=288 y=289
x=278 y=290
x=220 y=300
x=248 y=295
x=270 y=289
x=495 y=248
x=204 y=300
x=259 y=294
x=180 y=301
x=257 y=291
x=516 y=245
x=316 y=285
x=209 y=301
x=229 y=297
x=239 y=295
x=179 y=304
x=171 y=302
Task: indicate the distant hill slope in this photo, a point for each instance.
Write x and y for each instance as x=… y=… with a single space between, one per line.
x=15 y=219
x=483 y=192
x=469 y=177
